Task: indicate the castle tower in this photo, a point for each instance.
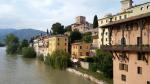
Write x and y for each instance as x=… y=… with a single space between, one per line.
x=125 y=4
x=80 y=20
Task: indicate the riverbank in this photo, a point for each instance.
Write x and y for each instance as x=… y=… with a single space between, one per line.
x=89 y=76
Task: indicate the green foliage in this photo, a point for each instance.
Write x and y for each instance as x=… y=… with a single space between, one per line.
x=93 y=67
x=68 y=28
x=12 y=43
x=95 y=22
x=104 y=62
x=87 y=37
x=75 y=35
x=57 y=28
x=58 y=60
x=11 y=38
x=40 y=57
x=24 y=43
x=47 y=32
x=28 y=52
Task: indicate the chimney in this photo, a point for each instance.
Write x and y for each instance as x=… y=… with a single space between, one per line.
x=125 y=4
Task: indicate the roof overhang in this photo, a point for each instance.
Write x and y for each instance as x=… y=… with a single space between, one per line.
x=138 y=17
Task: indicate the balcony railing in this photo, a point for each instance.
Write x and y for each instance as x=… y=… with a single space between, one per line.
x=144 y=48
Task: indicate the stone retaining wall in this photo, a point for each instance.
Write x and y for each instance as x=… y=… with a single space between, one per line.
x=91 y=78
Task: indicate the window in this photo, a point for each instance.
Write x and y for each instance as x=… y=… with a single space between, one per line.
x=140 y=56
x=65 y=44
x=65 y=39
x=123 y=77
x=87 y=53
x=106 y=21
x=139 y=40
x=139 y=70
x=57 y=43
x=148 y=82
x=80 y=47
x=115 y=18
x=102 y=22
x=101 y=34
x=58 y=39
x=106 y=39
x=125 y=16
x=123 y=67
x=120 y=17
x=106 y=33
x=142 y=8
x=148 y=7
x=80 y=53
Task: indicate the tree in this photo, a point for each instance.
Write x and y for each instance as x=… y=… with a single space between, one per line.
x=57 y=28
x=47 y=32
x=59 y=59
x=87 y=37
x=12 y=43
x=28 y=52
x=68 y=28
x=104 y=62
x=75 y=35
x=24 y=43
x=95 y=22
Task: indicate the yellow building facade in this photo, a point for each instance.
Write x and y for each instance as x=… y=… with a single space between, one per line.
x=80 y=49
x=58 y=42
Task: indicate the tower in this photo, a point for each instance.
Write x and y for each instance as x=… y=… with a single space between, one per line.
x=125 y=4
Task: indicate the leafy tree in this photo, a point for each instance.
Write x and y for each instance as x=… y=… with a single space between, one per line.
x=28 y=52
x=87 y=37
x=104 y=62
x=12 y=43
x=68 y=28
x=57 y=28
x=75 y=35
x=95 y=22
x=24 y=43
x=47 y=32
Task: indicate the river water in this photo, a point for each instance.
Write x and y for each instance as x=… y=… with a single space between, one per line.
x=18 y=70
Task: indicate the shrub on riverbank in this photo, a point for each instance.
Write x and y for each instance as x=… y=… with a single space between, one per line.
x=40 y=57
x=102 y=62
x=12 y=43
x=59 y=59
x=28 y=52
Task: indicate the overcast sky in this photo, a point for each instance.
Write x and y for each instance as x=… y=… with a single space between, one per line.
x=41 y=14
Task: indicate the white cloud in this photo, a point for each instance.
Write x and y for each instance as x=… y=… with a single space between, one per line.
x=42 y=13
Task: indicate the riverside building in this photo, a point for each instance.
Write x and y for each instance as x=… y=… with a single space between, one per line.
x=80 y=49
x=58 y=42
x=129 y=42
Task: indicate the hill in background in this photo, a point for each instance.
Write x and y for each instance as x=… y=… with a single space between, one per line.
x=21 y=33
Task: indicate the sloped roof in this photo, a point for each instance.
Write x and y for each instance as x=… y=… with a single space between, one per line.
x=145 y=15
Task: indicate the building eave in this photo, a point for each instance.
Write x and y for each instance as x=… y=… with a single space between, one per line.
x=126 y=20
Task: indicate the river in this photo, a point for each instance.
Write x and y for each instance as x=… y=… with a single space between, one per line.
x=18 y=70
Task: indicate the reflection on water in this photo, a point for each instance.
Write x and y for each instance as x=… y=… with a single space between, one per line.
x=18 y=70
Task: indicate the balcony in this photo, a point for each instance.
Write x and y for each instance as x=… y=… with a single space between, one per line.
x=127 y=48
